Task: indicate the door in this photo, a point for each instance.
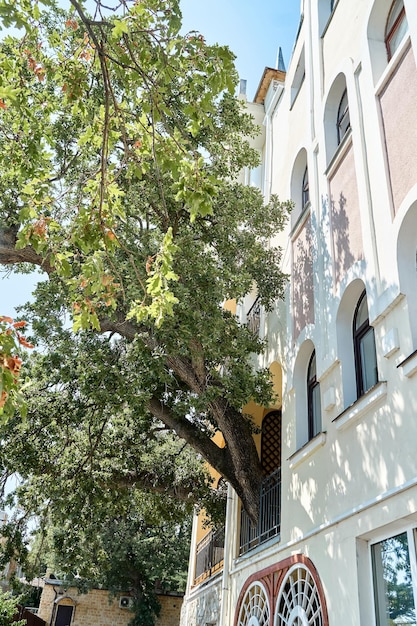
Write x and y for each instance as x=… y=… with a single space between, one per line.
x=63 y=615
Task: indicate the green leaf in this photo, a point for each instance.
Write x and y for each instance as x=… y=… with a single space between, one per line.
x=119 y=28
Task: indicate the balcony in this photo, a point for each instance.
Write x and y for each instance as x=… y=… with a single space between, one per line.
x=209 y=555
x=269 y=524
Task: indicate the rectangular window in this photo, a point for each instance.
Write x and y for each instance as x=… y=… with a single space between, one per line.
x=394 y=580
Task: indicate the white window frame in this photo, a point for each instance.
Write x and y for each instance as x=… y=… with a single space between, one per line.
x=412 y=551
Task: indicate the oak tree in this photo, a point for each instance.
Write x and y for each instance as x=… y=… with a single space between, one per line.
x=121 y=144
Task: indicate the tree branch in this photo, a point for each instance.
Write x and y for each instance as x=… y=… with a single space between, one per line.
x=218 y=457
x=10 y=256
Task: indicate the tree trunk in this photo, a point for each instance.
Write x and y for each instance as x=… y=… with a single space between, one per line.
x=246 y=468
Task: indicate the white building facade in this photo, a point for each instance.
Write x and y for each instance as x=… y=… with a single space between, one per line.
x=337 y=539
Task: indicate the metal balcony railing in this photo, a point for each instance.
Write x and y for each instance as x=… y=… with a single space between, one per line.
x=269 y=524
x=209 y=555
x=253 y=317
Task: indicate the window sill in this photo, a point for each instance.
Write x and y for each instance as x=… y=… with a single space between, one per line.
x=340 y=154
x=393 y=64
x=409 y=365
x=307 y=450
x=358 y=409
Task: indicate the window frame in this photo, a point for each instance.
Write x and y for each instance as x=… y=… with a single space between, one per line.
x=299 y=78
x=305 y=189
x=378 y=589
x=359 y=334
x=389 y=34
x=341 y=118
x=314 y=420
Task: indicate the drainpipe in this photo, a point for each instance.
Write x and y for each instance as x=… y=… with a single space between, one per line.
x=230 y=530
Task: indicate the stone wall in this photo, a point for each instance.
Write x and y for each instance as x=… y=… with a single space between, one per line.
x=95 y=609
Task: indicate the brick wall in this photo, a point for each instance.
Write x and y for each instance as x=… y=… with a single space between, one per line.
x=94 y=608
x=170 y=610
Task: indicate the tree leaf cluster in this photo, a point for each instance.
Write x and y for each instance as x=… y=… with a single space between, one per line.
x=121 y=144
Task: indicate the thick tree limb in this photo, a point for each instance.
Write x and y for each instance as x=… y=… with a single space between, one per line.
x=216 y=456
x=235 y=461
x=182 y=367
x=238 y=461
x=10 y=256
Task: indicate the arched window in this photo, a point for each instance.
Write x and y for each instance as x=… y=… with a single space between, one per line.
x=396 y=27
x=299 y=186
x=336 y=116
x=305 y=188
x=313 y=399
x=343 y=119
x=364 y=348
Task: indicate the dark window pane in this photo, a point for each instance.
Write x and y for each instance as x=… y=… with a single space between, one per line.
x=343 y=119
x=364 y=348
x=312 y=367
x=306 y=188
x=368 y=360
x=313 y=399
x=316 y=417
x=362 y=315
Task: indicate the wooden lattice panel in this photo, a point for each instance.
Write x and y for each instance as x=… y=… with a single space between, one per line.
x=271 y=442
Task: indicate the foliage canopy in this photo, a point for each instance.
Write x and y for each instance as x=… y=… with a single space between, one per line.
x=121 y=147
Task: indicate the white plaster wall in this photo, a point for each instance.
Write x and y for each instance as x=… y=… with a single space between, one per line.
x=360 y=478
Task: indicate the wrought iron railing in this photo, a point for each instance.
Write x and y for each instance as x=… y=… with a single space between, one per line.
x=209 y=555
x=269 y=524
x=253 y=317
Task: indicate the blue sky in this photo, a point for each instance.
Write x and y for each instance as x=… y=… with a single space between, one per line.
x=253 y=31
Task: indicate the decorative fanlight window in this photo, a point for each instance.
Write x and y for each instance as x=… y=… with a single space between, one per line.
x=298 y=602
x=254 y=610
